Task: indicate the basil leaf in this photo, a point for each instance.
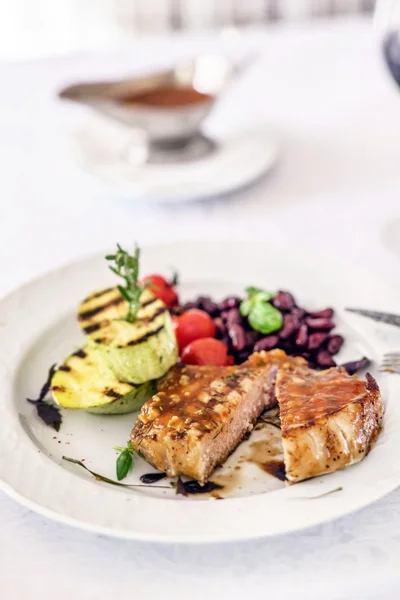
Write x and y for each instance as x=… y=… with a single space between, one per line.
x=255 y=295
x=262 y=296
x=251 y=291
x=245 y=307
x=265 y=318
x=124 y=463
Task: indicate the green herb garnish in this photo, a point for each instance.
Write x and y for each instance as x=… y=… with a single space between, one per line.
x=124 y=460
x=106 y=479
x=262 y=316
x=127 y=266
x=175 y=278
x=261 y=294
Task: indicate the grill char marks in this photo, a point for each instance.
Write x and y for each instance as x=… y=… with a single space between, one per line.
x=82 y=383
x=80 y=353
x=92 y=328
x=153 y=317
x=148 y=302
x=98 y=309
x=145 y=337
x=58 y=388
x=102 y=317
x=112 y=393
x=99 y=294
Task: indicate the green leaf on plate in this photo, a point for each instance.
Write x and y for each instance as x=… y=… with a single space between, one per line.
x=124 y=463
x=245 y=307
x=265 y=318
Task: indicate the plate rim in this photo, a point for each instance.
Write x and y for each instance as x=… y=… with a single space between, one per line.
x=110 y=531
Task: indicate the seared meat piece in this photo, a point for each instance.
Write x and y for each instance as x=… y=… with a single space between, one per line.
x=201 y=413
x=329 y=420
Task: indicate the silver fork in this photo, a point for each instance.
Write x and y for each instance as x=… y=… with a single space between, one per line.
x=390 y=362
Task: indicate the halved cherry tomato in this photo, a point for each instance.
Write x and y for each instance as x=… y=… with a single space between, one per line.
x=207 y=351
x=163 y=289
x=193 y=324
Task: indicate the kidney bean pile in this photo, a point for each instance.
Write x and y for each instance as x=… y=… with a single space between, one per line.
x=303 y=333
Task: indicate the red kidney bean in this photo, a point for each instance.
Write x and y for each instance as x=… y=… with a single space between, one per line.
x=226 y=339
x=290 y=326
x=315 y=340
x=355 y=365
x=298 y=313
x=238 y=336
x=334 y=344
x=230 y=302
x=324 y=359
x=209 y=306
x=320 y=323
x=287 y=346
x=266 y=343
x=224 y=315
x=283 y=300
x=200 y=301
x=251 y=338
x=219 y=326
x=233 y=316
x=327 y=313
x=302 y=335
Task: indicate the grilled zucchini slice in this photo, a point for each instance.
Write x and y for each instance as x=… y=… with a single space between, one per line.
x=83 y=383
x=134 y=352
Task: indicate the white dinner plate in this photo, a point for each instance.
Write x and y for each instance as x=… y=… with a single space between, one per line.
x=38 y=327
x=106 y=149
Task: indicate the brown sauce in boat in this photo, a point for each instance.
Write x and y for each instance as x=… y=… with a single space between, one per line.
x=168 y=97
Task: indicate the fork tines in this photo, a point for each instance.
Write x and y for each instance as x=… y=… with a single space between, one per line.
x=391 y=362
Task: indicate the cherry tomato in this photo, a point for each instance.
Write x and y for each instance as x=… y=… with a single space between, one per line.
x=193 y=324
x=207 y=351
x=163 y=289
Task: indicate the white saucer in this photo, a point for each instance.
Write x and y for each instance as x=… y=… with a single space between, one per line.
x=106 y=149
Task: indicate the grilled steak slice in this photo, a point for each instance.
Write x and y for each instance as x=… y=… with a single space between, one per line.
x=329 y=420
x=201 y=413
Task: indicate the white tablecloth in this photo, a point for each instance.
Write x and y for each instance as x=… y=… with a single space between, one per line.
x=336 y=189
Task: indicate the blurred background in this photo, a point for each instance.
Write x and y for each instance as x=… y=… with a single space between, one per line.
x=312 y=124
x=32 y=28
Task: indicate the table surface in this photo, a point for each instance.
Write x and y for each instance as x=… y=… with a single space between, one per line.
x=325 y=91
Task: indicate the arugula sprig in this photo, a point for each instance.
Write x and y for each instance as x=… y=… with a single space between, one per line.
x=127 y=266
x=124 y=460
x=107 y=479
x=262 y=316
